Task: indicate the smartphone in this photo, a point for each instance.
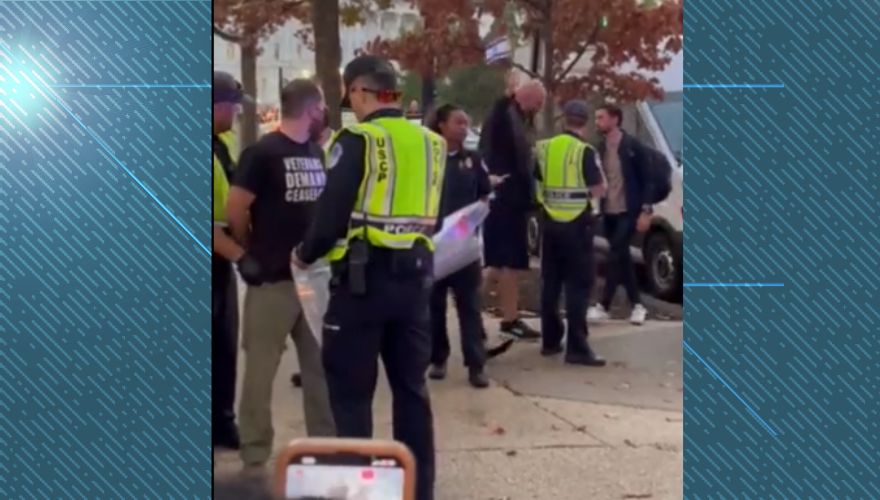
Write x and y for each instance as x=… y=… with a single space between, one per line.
x=345 y=469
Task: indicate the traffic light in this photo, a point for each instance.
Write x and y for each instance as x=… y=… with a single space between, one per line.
x=604 y=22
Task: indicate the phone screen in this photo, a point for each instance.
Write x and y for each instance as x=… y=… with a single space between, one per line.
x=344 y=477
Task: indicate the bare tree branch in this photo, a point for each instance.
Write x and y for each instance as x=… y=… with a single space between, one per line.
x=525 y=70
x=590 y=41
x=229 y=37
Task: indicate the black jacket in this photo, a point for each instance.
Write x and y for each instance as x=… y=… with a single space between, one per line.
x=634 y=164
x=506 y=146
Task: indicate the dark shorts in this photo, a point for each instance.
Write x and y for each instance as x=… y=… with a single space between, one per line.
x=505 y=239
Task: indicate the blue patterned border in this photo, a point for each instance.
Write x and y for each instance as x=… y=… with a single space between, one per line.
x=782 y=188
x=105 y=355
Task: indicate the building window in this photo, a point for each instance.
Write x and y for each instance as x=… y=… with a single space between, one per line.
x=389 y=22
x=409 y=23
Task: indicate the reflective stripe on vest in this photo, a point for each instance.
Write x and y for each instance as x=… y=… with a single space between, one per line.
x=220 y=179
x=399 y=197
x=563 y=191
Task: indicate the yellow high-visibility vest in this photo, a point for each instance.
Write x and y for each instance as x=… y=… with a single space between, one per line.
x=221 y=182
x=563 y=190
x=399 y=197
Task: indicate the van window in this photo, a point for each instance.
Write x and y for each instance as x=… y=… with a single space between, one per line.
x=669 y=116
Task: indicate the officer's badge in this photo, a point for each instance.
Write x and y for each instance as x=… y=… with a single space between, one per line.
x=335 y=155
x=468 y=163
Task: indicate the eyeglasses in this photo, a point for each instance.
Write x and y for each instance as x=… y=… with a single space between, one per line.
x=393 y=94
x=352 y=90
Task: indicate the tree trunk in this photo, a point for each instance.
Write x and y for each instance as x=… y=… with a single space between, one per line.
x=328 y=55
x=249 y=84
x=547 y=77
x=429 y=87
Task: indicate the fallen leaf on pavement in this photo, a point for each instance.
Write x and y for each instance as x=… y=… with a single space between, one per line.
x=629 y=443
x=623 y=385
x=618 y=364
x=496 y=429
x=670 y=419
x=511 y=453
x=638 y=495
x=612 y=416
x=581 y=428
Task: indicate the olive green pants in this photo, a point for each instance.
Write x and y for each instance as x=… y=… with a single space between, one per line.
x=271 y=312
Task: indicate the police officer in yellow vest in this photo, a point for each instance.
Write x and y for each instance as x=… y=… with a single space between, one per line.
x=374 y=222
x=227 y=99
x=568 y=175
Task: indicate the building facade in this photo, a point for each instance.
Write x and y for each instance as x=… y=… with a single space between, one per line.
x=285 y=56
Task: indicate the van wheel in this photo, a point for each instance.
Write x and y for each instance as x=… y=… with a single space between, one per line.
x=534 y=236
x=663 y=267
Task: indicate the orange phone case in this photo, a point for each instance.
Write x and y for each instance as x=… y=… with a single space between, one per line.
x=367 y=447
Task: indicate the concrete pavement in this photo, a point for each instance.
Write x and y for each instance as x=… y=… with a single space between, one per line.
x=543 y=430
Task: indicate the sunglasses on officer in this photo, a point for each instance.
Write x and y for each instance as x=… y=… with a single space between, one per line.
x=382 y=95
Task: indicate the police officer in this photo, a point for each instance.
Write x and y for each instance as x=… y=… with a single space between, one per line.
x=227 y=99
x=568 y=174
x=376 y=217
x=466 y=181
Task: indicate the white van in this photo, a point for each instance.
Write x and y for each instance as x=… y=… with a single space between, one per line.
x=661 y=249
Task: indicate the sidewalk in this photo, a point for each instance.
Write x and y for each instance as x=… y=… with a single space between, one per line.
x=544 y=430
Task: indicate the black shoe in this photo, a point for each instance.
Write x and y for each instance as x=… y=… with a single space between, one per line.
x=477 y=377
x=501 y=348
x=551 y=351
x=518 y=329
x=588 y=358
x=227 y=437
x=296 y=380
x=437 y=371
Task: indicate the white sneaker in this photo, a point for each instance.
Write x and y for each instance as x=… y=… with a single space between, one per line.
x=639 y=313
x=597 y=313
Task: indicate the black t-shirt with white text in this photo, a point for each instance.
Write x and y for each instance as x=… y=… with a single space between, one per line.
x=286 y=178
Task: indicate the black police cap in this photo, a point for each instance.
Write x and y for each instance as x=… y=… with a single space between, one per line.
x=376 y=68
x=227 y=89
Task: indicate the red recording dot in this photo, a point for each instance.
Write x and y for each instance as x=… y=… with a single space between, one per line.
x=367 y=475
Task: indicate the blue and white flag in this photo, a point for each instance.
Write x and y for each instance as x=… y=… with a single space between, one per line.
x=498 y=50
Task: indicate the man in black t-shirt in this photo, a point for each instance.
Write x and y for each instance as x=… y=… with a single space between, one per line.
x=270 y=208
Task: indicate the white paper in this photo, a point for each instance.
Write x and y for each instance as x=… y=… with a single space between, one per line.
x=458 y=243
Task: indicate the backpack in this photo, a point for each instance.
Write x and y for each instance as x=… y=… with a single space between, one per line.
x=661 y=175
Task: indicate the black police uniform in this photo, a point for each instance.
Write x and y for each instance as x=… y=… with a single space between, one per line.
x=567 y=262
x=390 y=320
x=466 y=181
x=224 y=332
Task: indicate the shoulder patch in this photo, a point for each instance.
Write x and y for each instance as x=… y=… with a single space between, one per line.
x=335 y=155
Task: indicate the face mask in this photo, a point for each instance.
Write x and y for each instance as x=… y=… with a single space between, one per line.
x=317 y=126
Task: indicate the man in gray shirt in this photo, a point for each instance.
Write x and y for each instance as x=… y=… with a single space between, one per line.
x=625 y=208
